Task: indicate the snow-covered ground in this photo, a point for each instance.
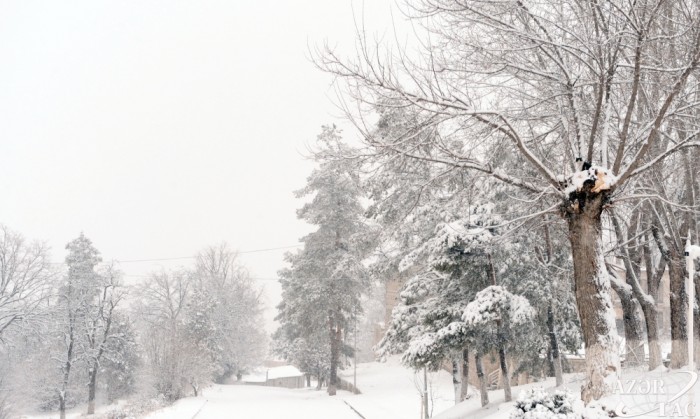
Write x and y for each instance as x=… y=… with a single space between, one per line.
x=389 y=390
x=259 y=402
x=74 y=413
x=497 y=408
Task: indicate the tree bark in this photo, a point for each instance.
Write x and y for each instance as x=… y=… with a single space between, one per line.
x=91 y=391
x=501 y=340
x=650 y=311
x=634 y=345
x=632 y=257
x=554 y=347
x=464 y=389
x=505 y=375
x=66 y=369
x=335 y=355
x=583 y=212
x=62 y=405
x=678 y=301
x=483 y=386
x=631 y=296
x=553 y=340
x=456 y=384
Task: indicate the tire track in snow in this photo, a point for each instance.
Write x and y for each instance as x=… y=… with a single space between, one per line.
x=353 y=409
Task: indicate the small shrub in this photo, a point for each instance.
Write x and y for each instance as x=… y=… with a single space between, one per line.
x=135 y=408
x=539 y=404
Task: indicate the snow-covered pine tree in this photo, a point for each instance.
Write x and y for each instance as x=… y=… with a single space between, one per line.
x=427 y=325
x=75 y=299
x=321 y=289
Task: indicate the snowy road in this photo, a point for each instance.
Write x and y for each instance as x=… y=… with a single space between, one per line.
x=257 y=402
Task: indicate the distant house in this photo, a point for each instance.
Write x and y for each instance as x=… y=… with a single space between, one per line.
x=287 y=376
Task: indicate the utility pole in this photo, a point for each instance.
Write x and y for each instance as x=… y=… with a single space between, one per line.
x=354 y=372
x=690 y=264
x=425 y=394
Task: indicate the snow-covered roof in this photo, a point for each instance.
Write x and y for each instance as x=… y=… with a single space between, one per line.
x=254 y=378
x=284 y=371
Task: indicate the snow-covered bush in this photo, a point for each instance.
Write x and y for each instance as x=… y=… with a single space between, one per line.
x=536 y=403
x=135 y=408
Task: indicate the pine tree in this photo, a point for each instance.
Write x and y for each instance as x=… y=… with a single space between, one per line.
x=322 y=287
x=76 y=297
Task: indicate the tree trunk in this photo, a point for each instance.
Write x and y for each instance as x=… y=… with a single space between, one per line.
x=308 y=380
x=505 y=376
x=678 y=297
x=464 y=389
x=696 y=317
x=62 y=405
x=634 y=337
x=66 y=376
x=91 y=390
x=592 y=286
x=651 y=315
x=456 y=384
x=652 y=336
x=501 y=340
x=483 y=387
x=632 y=256
x=553 y=341
x=554 y=347
x=335 y=355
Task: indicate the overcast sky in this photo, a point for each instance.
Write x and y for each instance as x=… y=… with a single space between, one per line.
x=160 y=127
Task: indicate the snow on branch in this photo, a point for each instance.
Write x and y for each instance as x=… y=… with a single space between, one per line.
x=496 y=303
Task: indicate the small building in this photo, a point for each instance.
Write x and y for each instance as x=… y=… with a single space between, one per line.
x=287 y=376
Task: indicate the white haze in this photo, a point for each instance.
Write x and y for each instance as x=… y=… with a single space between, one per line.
x=160 y=127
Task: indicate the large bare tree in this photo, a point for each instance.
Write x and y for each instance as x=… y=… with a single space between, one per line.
x=571 y=101
x=25 y=273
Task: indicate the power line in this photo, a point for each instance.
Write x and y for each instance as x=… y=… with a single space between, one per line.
x=192 y=257
x=145 y=276
x=270 y=249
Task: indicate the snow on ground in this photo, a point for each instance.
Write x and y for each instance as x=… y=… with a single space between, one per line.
x=497 y=408
x=389 y=390
x=74 y=413
x=259 y=402
x=643 y=394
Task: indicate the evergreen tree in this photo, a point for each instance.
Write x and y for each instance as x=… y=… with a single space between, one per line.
x=322 y=287
x=76 y=296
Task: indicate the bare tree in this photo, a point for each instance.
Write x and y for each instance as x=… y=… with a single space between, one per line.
x=98 y=324
x=25 y=272
x=161 y=310
x=566 y=100
x=235 y=311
